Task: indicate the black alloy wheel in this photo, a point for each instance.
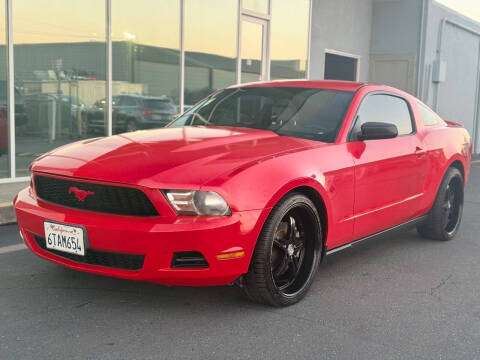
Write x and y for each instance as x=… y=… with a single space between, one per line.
x=288 y=250
x=287 y=254
x=452 y=206
x=444 y=218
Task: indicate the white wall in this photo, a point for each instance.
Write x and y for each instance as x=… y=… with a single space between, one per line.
x=396 y=33
x=342 y=25
x=456 y=98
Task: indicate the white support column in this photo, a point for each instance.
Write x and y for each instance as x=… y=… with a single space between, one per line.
x=181 y=87
x=11 y=89
x=309 y=41
x=239 y=42
x=268 y=38
x=108 y=17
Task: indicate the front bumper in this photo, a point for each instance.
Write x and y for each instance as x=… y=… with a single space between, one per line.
x=157 y=238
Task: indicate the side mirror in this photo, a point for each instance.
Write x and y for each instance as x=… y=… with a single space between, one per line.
x=377 y=131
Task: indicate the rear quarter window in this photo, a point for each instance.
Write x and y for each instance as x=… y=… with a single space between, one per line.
x=429 y=117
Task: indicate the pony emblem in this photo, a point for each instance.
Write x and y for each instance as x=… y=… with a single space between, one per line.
x=81 y=195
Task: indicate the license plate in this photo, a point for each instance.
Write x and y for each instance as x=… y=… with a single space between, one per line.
x=64 y=238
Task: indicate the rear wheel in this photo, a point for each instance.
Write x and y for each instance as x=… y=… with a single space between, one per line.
x=287 y=254
x=444 y=218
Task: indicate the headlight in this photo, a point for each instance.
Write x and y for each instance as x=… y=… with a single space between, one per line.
x=189 y=202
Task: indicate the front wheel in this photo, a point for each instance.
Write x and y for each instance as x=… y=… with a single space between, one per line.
x=287 y=253
x=443 y=220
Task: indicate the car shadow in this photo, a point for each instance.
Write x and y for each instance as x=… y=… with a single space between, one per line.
x=127 y=295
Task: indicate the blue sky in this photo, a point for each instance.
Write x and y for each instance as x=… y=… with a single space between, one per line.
x=470 y=8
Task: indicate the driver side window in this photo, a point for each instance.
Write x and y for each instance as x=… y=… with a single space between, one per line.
x=385 y=109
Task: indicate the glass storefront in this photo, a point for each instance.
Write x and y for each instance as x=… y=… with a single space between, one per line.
x=62 y=58
x=60 y=67
x=260 y=6
x=289 y=39
x=210 y=47
x=145 y=63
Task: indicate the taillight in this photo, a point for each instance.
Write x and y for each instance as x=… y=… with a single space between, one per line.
x=147 y=112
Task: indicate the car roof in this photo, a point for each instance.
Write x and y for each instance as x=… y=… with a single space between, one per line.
x=319 y=84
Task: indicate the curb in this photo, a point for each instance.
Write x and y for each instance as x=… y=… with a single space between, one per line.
x=7 y=214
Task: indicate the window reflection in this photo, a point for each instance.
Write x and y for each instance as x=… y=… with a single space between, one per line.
x=210 y=47
x=289 y=39
x=60 y=63
x=145 y=35
x=60 y=67
x=4 y=152
x=260 y=6
x=252 y=52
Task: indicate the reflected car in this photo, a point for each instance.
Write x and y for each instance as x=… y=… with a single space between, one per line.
x=3 y=132
x=252 y=186
x=21 y=117
x=132 y=112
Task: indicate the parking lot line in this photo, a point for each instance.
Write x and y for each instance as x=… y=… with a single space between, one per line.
x=12 y=248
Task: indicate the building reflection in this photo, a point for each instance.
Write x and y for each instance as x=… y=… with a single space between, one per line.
x=60 y=65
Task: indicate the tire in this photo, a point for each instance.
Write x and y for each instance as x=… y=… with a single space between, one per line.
x=132 y=126
x=445 y=216
x=284 y=246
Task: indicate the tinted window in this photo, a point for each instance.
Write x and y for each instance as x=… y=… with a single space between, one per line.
x=429 y=118
x=128 y=101
x=387 y=109
x=300 y=112
x=165 y=105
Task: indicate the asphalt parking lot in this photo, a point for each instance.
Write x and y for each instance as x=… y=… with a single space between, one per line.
x=399 y=297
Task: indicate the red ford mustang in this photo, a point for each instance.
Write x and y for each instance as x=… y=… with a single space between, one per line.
x=253 y=185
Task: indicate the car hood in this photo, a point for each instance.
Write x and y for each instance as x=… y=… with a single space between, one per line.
x=168 y=157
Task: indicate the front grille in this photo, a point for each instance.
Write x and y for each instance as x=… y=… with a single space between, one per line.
x=99 y=258
x=96 y=197
x=189 y=259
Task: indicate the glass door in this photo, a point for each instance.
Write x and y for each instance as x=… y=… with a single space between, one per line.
x=253 y=49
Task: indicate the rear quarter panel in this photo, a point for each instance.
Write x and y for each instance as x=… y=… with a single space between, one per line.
x=445 y=144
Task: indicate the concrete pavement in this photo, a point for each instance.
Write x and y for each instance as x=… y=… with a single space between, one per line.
x=399 y=297
x=7 y=193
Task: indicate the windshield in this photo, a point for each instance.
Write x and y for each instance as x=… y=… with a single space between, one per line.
x=315 y=114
